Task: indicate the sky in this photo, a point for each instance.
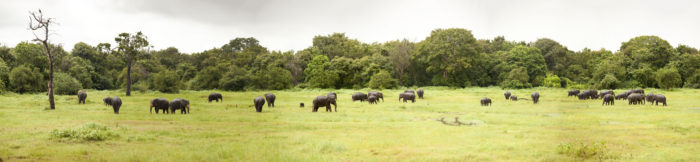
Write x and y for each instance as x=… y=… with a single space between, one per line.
x=198 y=25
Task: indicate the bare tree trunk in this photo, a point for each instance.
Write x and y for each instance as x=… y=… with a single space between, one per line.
x=51 y=101
x=128 y=79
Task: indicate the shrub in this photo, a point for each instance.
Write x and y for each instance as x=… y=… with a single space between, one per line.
x=693 y=81
x=582 y=150
x=166 y=81
x=64 y=84
x=86 y=132
x=382 y=80
x=668 y=78
x=140 y=87
x=23 y=79
x=552 y=81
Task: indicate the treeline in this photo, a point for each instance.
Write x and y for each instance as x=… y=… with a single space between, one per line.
x=448 y=57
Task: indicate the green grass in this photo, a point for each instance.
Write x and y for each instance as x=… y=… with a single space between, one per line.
x=557 y=129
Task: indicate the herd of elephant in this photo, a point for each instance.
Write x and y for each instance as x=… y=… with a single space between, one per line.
x=634 y=97
x=372 y=97
x=159 y=103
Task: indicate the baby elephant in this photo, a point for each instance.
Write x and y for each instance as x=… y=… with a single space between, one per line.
x=608 y=99
x=372 y=99
x=660 y=98
x=179 y=103
x=82 y=95
x=407 y=96
x=507 y=95
x=116 y=104
x=216 y=96
x=301 y=105
x=270 y=99
x=485 y=101
x=259 y=102
x=160 y=104
x=108 y=101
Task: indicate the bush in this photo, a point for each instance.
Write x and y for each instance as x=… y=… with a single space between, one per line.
x=382 y=80
x=552 y=81
x=141 y=87
x=609 y=82
x=64 y=84
x=582 y=150
x=87 y=132
x=23 y=79
x=166 y=81
x=517 y=78
x=693 y=81
x=668 y=78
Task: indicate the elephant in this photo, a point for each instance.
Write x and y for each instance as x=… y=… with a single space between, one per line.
x=588 y=94
x=485 y=101
x=603 y=93
x=574 y=92
x=407 y=96
x=535 y=97
x=622 y=96
x=333 y=97
x=420 y=93
x=650 y=97
x=608 y=99
x=514 y=98
x=321 y=101
x=160 y=104
x=378 y=94
x=507 y=94
x=660 y=98
x=270 y=99
x=301 y=105
x=372 y=99
x=635 y=98
x=216 y=96
x=359 y=96
x=108 y=101
x=409 y=91
x=259 y=102
x=82 y=95
x=116 y=104
x=179 y=103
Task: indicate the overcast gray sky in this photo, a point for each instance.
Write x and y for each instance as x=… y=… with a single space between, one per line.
x=197 y=25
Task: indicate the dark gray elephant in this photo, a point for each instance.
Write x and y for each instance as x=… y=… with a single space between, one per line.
x=359 y=96
x=379 y=95
x=116 y=104
x=535 y=97
x=635 y=98
x=108 y=101
x=82 y=95
x=485 y=101
x=621 y=96
x=608 y=99
x=216 y=96
x=603 y=93
x=407 y=96
x=640 y=91
x=301 y=105
x=332 y=99
x=323 y=101
x=420 y=93
x=372 y=99
x=259 y=102
x=180 y=104
x=660 y=98
x=514 y=97
x=588 y=94
x=160 y=104
x=507 y=94
x=574 y=92
x=270 y=99
x=650 y=98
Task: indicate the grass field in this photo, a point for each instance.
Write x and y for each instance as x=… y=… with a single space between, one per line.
x=557 y=129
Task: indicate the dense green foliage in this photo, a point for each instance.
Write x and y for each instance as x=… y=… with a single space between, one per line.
x=447 y=57
x=64 y=84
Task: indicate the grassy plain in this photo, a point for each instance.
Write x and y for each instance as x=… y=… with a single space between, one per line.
x=558 y=129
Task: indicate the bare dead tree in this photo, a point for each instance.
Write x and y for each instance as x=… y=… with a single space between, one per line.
x=39 y=23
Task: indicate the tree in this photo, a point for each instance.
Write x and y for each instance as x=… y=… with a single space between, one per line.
x=130 y=46
x=400 y=55
x=650 y=50
x=318 y=73
x=448 y=52
x=382 y=80
x=552 y=81
x=531 y=59
x=609 y=82
x=554 y=54
x=668 y=78
x=37 y=22
x=166 y=81
x=517 y=78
